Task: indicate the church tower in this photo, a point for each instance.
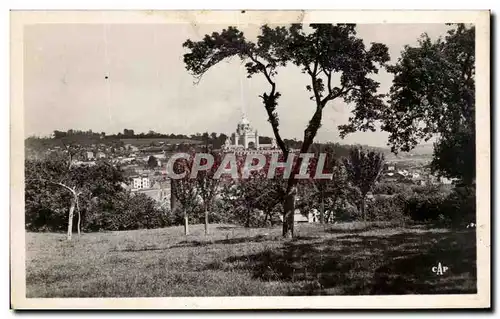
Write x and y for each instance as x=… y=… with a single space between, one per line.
x=245 y=135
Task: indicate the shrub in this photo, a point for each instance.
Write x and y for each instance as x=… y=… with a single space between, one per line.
x=424 y=207
x=460 y=206
x=387 y=208
x=432 y=203
x=343 y=212
x=447 y=208
x=221 y=211
x=430 y=189
x=126 y=211
x=386 y=188
x=46 y=209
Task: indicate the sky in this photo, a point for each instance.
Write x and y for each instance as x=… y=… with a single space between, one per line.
x=111 y=77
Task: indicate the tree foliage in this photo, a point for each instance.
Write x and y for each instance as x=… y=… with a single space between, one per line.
x=433 y=94
x=252 y=198
x=185 y=189
x=152 y=162
x=52 y=186
x=363 y=170
x=207 y=186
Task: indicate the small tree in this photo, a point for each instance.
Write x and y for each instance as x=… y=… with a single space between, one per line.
x=332 y=192
x=363 y=170
x=184 y=189
x=207 y=186
x=253 y=192
x=325 y=195
x=152 y=162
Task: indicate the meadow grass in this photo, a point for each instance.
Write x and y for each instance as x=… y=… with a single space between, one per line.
x=342 y=259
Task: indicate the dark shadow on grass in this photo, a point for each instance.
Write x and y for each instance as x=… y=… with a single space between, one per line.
x=367 y=265
x=227 y=227
x=360 y=229
x=228 y=241
x=196 y=243
x=129 y=250
x=374 y=226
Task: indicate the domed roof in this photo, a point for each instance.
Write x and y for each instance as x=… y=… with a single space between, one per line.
x=244 y=120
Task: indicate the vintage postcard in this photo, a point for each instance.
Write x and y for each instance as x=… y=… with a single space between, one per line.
x=250 y=159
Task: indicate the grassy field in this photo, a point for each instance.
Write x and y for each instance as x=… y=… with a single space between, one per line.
x=343 y=259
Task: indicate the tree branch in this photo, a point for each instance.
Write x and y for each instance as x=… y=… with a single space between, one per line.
x=73 y=191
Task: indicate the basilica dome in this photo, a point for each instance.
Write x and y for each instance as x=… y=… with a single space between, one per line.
x=244 y=121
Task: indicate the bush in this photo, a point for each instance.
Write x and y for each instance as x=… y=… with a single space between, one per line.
x=343 y=212
x=446 y=208
x=424 y=207
x=431 y=189
x=424 y=204
x=387 y=208
x=46 y=209
x=391 y=188
x=460 y=206
x=127 y=211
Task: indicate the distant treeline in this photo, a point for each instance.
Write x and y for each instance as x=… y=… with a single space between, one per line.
x=213 y=140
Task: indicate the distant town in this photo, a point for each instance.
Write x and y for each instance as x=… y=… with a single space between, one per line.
x=143 y=157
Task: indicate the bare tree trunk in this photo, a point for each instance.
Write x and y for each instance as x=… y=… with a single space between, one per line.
x=70 y=218
x=173 y=198
x=247 y=222
x=264 y=223
x=186 y=224
x=362 y=208
x=206 y=221
x=79 y=216
x=328 y=216
x=288 y=216
x=291 y=191
x=322 y=209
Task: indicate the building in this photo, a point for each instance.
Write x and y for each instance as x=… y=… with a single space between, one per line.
x=101 y=155
x=245 y=140
x=159 y=191
x=245 y=136
x=131 y=148
x=82 y=163
x=140 y=182
x=445 y=180
x=298 y=217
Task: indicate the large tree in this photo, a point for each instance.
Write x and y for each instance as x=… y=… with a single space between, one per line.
x=433 y=96
x=323 y=52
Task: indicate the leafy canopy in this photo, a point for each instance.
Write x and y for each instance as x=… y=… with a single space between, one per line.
x=433 y=95
x=363 y=168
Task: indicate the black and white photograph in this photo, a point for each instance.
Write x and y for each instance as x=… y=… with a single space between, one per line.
x=282 y=156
